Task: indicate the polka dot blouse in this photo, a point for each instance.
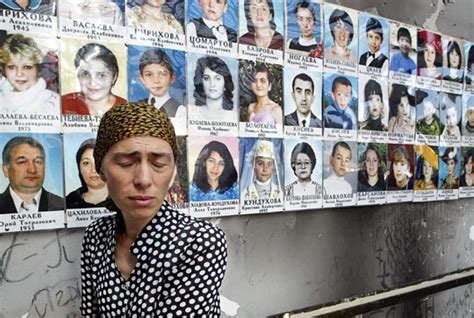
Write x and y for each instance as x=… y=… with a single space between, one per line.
x=181 y=262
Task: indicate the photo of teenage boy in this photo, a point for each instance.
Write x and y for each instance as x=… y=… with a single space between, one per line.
x=153 y=14
x=468 y=120
x=371 y=175
x=339 y=114
x=211 y=24
x=454 y=70
x=470 y=66
x=23 y=164
x=427 y=113
x=32 y=6
x=303 y=96
x=450 y=105
x=374 y=107
x=157 y=75
x=342 y=32
x=340 y=161
x=307 y=19
x=430 y=55
x=374 y=57
x=401 y=61
x=401 y=168
x=402 y=110
x=450 y=169
x=103 y=11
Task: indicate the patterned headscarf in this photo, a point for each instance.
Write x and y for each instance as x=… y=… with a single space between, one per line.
x=132 y=120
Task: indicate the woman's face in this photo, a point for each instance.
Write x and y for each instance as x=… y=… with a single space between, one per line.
x=341 y=34
x=88 y=172
x=21 y=73
x=261 y=86
x=215 y=165
x=403 y=107
x=375 y=106
x=468 y=166
x=303 y=166
x=427 y=170
x=401 y=171
x=95 y=79
x=260 y=13
x=451 y=164
x=429 y=54
x=213 y=84
x=454 y=59
x=371 y=163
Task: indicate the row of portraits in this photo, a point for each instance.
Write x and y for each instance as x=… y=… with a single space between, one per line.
x=220 y=176
x=349 y=41
x=221 y=96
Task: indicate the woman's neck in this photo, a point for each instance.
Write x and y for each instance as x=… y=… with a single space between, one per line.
x=95 y=196
x=262 y=102
x=99 y=107
x=263 y=36
x=215 y=104
x=153 y=10
x=403 y=183
x=372 y=180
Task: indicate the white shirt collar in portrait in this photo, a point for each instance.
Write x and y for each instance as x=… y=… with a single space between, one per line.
x=158 y=100
x=307 y=118
x=23 y=207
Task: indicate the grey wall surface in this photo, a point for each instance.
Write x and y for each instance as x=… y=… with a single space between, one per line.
x=284 y=261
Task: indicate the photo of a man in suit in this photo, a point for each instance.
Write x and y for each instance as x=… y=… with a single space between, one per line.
x=24 y=166
x=303 y=96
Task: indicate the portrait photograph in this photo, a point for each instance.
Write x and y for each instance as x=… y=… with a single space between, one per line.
x=429 y=55
x=47 y=7
x=469 y=71
x=178 y=193
x=212 y=89
x=341 y=26
x=211 y=19
x=426 y=173
x=158 y=77
x=372 y=172
x=304 y=27
x=260 y=98
x=303 y=174
x=373 y=104
x=449 y=171
x=453 y=60
x=339 y=173
x=261 y=175
x=468 y=119
x=450 y=113
x=105 y=11
x=466 y=180
x=403 y=56
x=401 y=168
x=428 y=125
x=164 y=15
x=32 y=174
x=261 y=24
x=402 y=112
x=93 y=76
x=213 y=163
x=373 y=44
x=31 y=80
x=340 y=101
x=303 y=99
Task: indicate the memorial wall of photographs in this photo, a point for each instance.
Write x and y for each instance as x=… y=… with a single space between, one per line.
x=278 y=105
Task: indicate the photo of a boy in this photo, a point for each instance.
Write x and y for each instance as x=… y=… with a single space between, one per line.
x=402 y=62
x=374 y=56
x=157 y=76
x=211 y=25
x=339 y=115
